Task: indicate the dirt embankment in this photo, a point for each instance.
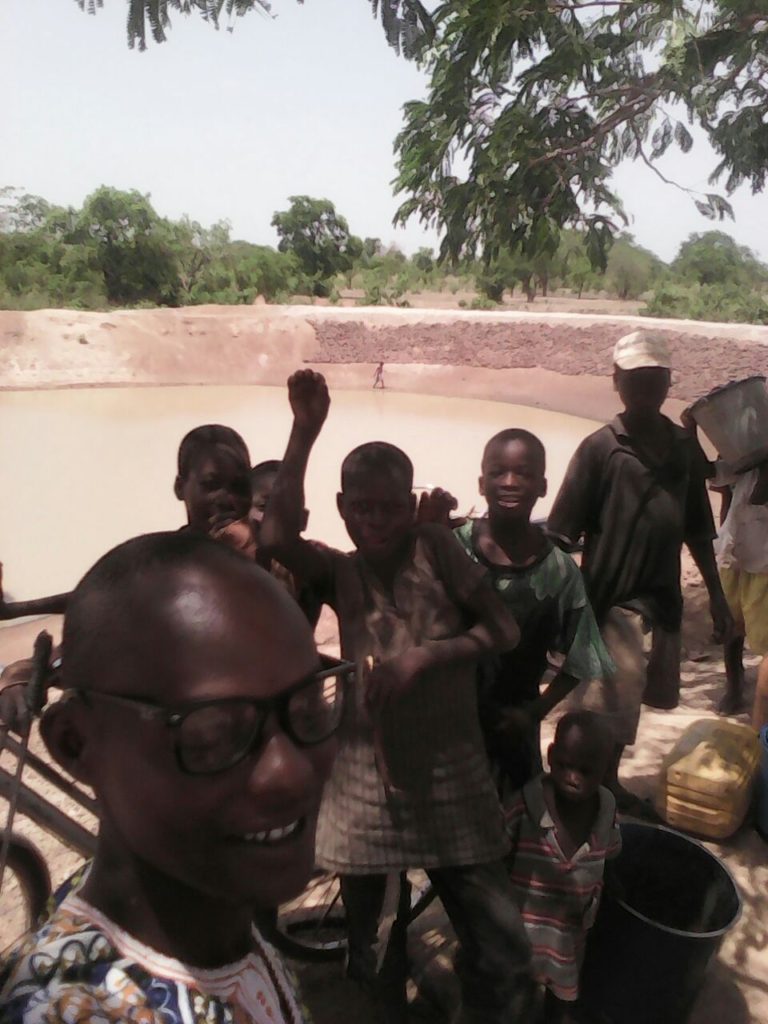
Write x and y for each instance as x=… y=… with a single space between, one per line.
x=563 y=347
x=261 y=344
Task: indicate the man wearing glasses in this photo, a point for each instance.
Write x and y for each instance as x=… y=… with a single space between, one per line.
x=196 y=706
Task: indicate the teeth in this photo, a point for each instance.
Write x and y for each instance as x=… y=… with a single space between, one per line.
x=273 y=835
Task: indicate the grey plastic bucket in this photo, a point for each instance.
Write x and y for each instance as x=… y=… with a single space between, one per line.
x=735 y=419
x=650 y=947
x=761 y=816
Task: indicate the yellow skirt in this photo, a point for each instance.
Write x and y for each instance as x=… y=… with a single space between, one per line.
x=747 y=596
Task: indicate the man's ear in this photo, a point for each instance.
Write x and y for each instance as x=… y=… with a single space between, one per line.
x=481 y=486
x=62 y=727
x=304 y=519
x=178 y=488
x=340 y=503
x=544 y=488
x=550 y=748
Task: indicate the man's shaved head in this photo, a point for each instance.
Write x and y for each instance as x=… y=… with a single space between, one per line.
x=175 y=622
x=160 y=579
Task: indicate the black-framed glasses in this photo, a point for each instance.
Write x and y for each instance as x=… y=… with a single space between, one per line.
x=213 y=735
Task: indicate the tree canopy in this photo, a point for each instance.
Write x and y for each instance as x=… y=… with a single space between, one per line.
x=406 y=23
x=532 y=103
x=318 y=237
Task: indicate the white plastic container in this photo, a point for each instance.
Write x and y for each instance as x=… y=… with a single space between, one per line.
x=735 y=419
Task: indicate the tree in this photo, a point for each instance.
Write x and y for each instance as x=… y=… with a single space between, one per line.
x=318 y=237
x=631 y=269
x=715 y=258
x=407 y=25
x=20 y=211
x=575 y=268
x=424 y=260
x=532 y=104
x=130 y=244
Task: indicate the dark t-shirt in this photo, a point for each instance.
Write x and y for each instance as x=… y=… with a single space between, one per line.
x=634 y=516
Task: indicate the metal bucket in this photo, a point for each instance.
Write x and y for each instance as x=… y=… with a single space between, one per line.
x=650 y=947
x=735 y=419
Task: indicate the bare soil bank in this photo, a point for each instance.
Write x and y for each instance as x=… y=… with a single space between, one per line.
x=562 y=346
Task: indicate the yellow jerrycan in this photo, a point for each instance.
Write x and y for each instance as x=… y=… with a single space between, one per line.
x=707 y=778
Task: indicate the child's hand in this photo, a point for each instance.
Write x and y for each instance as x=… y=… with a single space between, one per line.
x=237 y=535
x=309 y=398
x=395 y=677
x=436 y=506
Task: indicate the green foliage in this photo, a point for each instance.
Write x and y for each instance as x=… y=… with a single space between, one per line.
x=715 y=258
x=318 y=238
x=407 y=25
x=531 y=106
x=116 y=250
x=631 y=270
x=482 y=302
x=717 y=302
x=129 y=246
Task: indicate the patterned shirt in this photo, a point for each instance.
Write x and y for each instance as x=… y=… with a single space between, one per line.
x=558 y=896
x=556 y=622
x=417 y=790
x=81 y=967
x=557 y=627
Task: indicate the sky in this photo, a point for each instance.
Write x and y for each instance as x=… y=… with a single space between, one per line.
x=221 y=125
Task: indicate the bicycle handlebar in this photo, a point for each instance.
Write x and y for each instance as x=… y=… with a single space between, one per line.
x=41 y=656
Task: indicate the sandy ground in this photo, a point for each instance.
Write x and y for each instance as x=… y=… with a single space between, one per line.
x=736 y=991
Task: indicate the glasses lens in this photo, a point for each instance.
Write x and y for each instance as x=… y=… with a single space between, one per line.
x=215 y=736
x=314 y=711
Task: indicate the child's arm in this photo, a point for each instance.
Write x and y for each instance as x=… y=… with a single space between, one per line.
x=494 y=629
x=280 y=533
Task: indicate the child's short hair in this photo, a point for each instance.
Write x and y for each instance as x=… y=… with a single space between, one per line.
x=106 y=597
x=534 y=445
x=266 y=468
x=211 y=435
x=593 y=727
x=376 y=458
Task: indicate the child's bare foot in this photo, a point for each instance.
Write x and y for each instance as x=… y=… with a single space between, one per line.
x=732 y=704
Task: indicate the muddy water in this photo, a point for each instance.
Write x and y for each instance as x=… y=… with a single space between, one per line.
x=84 y=469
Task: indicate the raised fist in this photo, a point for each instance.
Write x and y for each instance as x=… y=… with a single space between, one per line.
x=309 y=398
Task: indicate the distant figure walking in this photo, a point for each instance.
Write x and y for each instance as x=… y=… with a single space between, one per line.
x=378 y=377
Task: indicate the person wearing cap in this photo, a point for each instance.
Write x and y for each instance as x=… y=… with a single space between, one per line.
x=635 y=491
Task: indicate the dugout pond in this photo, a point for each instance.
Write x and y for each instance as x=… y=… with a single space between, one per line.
x=86 y=468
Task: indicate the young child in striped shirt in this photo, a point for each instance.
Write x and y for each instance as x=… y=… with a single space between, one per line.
x=563 y=829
